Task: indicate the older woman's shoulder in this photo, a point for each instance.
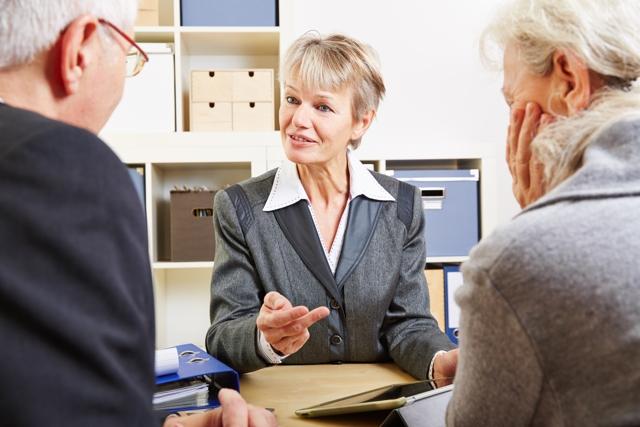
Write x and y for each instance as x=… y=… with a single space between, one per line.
x=530 y=238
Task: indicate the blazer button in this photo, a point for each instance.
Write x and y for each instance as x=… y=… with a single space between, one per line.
x=334 y=304
x=336 y=339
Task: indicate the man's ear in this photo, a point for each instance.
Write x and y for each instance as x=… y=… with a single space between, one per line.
x=361 y=125
x=571 y=81
x=76 y=51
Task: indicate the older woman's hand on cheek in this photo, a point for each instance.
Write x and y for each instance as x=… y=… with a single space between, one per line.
x=526 y=170
x=286 y=328
x=233 y=412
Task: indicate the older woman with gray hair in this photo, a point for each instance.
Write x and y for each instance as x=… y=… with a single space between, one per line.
x=550 y=314
x=325 y=233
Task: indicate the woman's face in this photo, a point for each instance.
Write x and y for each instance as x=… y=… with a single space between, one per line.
x=316 y=125
x=521 y=85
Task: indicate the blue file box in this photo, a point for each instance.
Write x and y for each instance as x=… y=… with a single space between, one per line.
x=452 y=281
x=451 y=208
x=229 y=13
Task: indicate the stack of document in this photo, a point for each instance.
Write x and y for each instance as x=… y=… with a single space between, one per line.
x=188 y=393
x=188 y=378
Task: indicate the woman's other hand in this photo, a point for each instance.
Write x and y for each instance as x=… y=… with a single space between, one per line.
x=526 y=171
x=286 y=328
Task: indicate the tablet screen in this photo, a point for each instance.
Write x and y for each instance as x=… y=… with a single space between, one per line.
x=384 y=393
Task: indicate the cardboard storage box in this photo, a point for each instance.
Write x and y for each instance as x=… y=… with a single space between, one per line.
x=253 y=86
x=148 y=100
x=232 y=85
x=239 y=100
x=451 y=208
x=229 y=13
x=148 y=13
x=253 y=116
x=192 y=237
x=211 y=116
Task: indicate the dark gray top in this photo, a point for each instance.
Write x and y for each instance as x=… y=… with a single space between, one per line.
x=378 y=297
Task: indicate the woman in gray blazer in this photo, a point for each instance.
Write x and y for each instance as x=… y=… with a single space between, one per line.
x=322 y=260
x=550 y=306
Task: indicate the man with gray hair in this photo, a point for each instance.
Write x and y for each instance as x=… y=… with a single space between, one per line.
x=76 y=297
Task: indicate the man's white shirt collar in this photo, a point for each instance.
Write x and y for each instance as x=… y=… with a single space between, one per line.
x=287 y=188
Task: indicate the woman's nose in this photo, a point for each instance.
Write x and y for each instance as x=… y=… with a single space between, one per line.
x=301 y=117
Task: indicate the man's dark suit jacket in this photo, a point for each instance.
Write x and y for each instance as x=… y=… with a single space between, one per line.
x=76 y=298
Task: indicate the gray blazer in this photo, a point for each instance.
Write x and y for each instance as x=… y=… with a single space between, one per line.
x=550 y=324
x=378 y=298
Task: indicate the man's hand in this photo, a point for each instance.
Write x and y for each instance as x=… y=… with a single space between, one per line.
x=527 y=172
x=233 y=412
x=444 y=367
x=286 y=327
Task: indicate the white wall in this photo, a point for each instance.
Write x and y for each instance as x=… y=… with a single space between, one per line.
x=438 y=92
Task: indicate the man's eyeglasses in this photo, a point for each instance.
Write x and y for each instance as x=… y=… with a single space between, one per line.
x=136 y=57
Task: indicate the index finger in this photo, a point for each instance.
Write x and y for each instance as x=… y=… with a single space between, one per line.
x=281 y=318
x=527 y=134
x=515 y=125
x=313 y=316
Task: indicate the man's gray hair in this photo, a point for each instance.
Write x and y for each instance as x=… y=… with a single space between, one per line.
x=28 y=27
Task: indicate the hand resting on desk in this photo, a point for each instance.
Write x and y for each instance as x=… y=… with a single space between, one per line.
x=286 y=328
x=233 y=412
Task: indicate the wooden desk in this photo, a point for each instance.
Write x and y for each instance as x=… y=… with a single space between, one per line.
x=287 y=388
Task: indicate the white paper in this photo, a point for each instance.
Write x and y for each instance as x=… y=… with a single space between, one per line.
x=167 y=361
x=454 y=281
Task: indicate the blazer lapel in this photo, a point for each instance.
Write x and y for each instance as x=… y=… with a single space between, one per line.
x=363 y=217
x=297 y=225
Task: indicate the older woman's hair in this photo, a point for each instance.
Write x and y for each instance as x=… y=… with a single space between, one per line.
x=602 y=33
x=335 y=62
x=28 y=27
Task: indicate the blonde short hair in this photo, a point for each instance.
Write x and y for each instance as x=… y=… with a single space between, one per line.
x=335 y=62
x=604 y=35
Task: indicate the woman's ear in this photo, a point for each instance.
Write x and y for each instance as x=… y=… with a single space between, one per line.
x=76 y=51
x=361 y=125
x=571 y=82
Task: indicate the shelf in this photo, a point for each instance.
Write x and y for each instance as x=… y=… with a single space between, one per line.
x=168 y=265
x=180 y=173
x=231 y=41
x=446 y=259
x=154 y=34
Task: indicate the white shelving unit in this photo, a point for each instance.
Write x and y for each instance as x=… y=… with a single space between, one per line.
x=223 y=158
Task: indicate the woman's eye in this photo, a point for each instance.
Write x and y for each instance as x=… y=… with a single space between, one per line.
x=291 y=100
x=324 y=108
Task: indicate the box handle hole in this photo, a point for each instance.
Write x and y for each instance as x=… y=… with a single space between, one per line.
x=432 y=193
x=200 y=212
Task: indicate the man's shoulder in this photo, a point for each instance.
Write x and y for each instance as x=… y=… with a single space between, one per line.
x=20 y=128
